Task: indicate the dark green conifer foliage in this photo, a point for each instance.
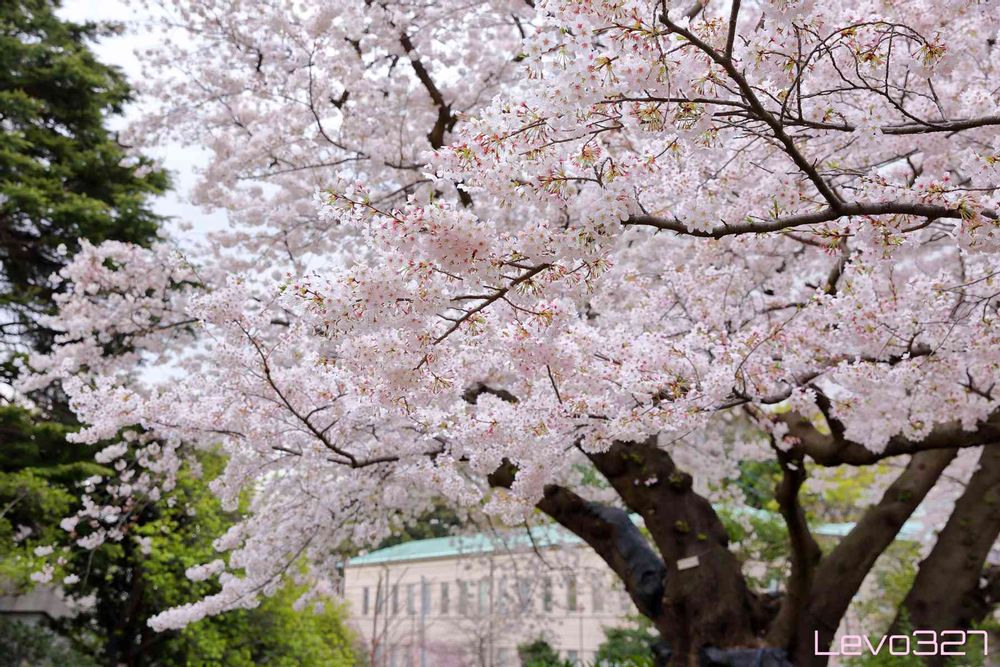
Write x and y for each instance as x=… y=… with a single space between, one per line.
x=63 y=174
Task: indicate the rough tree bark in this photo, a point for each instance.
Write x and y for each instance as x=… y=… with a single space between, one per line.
x=841 y=572
x=948 y=592
x=706 y=601
x=805 y=552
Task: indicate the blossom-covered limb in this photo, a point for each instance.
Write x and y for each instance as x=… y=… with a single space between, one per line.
x=829 y=214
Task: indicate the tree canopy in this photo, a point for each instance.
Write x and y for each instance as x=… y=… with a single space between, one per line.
x=587 y=259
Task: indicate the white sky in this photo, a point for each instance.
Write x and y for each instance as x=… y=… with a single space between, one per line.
x=182 y=162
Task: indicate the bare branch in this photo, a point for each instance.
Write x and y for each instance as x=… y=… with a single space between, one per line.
x=827 y=214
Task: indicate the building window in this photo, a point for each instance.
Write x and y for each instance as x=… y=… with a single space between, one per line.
x=445 y=602
x=484 y=597
x=379 y=602
x=463 y=598
x=394 y=599
x=364 y=601
x=547 y=594
x=573 y=657
x=570 y=592
x=597 y=597
x=624 y=601
x=502 y=657
x=502 y=596
x=524 y=594
x=411 y=599
x=425 y=597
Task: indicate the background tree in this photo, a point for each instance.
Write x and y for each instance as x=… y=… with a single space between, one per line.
x=136 y=579
x=539 y=653
x=39 y=478
x=630 y=645
x=63 y=174
x=38 y=646
x=121 y=585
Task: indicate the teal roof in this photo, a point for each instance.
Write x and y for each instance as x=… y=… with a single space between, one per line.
x=910 y=532
x=548 y=535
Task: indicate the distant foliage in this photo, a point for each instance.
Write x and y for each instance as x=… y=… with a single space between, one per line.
x=629 y=645
x=33 y=645
x=539 y=653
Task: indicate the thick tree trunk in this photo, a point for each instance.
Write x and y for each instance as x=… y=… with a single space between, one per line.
x=706 y=601
x=695 y=595
x=693 y=590
x=946 y=594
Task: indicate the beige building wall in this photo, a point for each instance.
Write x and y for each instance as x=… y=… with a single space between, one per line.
x=474 y=609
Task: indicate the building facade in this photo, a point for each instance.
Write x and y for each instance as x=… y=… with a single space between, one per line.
x=470 y=601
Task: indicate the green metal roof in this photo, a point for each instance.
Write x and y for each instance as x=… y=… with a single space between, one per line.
x=548 y=535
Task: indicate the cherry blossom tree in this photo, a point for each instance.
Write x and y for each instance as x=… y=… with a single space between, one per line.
x=484 y=252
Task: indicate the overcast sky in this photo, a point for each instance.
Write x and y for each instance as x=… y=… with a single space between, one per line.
x=182 y=162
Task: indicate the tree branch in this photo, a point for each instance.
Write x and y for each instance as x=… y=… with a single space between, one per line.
x=805 y=552
x=731 y=36
x=834 y=449
x=956 y=125
x=610 y=532
x=746 y=90
x=445 y=120
x=827 y=214
x=488 y=299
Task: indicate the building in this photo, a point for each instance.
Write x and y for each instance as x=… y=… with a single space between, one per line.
x=35 y=607
x=470 y=600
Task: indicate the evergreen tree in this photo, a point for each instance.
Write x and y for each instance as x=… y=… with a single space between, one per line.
x=128 y=582
x=63 y=177
x=144 y=574
x=63 y=174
